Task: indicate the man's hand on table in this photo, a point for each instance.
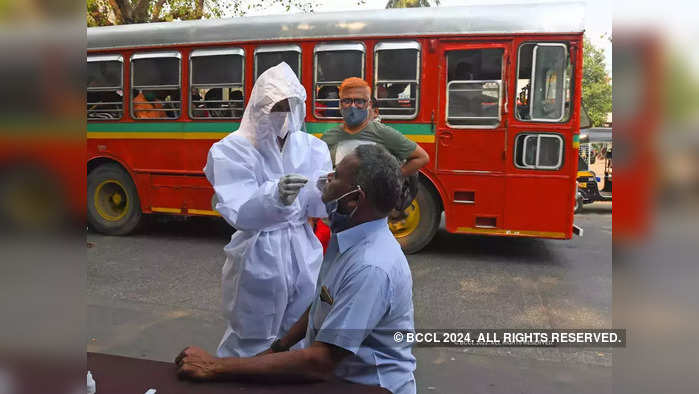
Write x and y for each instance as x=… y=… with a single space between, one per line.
x=195 y=363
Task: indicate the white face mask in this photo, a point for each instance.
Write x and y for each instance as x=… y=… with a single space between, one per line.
x=293 y=123
x=278 y=122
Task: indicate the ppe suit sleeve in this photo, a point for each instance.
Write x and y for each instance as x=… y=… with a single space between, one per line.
x=245 y=204
x=322 y=165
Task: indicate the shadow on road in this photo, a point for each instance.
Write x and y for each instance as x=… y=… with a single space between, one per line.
x=596 y=208
x=479 y=247
x=196 y=227
x=192 y=227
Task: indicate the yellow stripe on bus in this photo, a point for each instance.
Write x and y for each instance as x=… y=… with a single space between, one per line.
x=189 y=211
x=203 y=212
x=499 y=231
x=424 y=138
x=166 y=210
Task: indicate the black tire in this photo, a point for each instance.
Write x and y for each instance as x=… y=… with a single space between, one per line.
x=32 y=200
x=578 y=204
x=103 y=215
x=430 y=217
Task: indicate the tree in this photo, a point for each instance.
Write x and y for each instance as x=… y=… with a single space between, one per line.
x=596 y=84
x=410 y=3
x=119 y=12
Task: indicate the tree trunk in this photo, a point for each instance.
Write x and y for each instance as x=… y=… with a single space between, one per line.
x=199 y=9
x=124 y=9
x=156 y=11
x=140 y=11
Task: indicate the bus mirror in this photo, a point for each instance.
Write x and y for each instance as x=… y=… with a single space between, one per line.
x=585 y=122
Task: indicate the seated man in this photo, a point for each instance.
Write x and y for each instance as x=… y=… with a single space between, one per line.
x=363 y=294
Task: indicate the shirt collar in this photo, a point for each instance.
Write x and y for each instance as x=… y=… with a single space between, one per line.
x=353 y=235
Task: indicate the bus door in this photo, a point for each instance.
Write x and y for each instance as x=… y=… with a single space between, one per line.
x=542 y=162
x=471 y=133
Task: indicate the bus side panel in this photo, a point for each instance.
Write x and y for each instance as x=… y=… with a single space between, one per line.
x=538 y=203
x=486 y=191
x=180 y=193
x=167 y=172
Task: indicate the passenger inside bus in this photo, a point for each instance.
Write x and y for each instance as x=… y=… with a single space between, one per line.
x=195 y=95
x=217 y=108
x=104 y=105
x=173 y=99
x=374 y=110
x=329 y=93
x=237 y=105
x=145 y=105
x=389 y=94
x=151 y=104
x=101 y=103
x=199 y=110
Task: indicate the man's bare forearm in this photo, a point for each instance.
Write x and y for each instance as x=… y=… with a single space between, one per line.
x=307 y=365
x=418 y=159
x=297 y=332
x=410 y=167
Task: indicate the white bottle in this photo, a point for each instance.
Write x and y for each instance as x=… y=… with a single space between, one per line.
x=91 y=385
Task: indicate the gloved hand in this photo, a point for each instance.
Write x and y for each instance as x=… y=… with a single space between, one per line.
x=289 y=187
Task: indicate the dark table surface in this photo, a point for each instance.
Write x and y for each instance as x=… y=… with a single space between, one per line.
x=124 y=375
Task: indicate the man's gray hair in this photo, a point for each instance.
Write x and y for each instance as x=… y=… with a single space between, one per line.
x=378 y=174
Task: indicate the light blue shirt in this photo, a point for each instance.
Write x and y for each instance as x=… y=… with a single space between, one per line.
x=370 y=288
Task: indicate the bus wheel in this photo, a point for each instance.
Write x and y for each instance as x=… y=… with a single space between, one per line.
x=113 y=206
x=415 y=227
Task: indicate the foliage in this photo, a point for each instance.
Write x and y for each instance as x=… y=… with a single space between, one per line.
x=118 y=12
x=596 y=85
x=410 y=3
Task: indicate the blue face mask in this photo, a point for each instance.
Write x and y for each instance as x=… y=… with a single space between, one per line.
x=339 y=221
x=354 y=116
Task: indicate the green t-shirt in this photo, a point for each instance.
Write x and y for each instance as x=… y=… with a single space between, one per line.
x=391 y=139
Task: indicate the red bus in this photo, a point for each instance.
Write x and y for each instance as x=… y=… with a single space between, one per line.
x=492 y=93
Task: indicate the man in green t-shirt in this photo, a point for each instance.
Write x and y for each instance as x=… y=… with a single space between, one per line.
x=359 y=128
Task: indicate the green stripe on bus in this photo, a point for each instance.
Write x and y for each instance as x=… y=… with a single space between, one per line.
x=165 y=127
x=224 y=127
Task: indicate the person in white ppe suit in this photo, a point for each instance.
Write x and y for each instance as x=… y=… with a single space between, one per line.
x=264 y=179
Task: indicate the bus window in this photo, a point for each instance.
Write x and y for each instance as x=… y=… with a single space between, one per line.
x=105 y=84
x=397 y=76
x=216 y=83
x=548 y=67
x=539 y=151
x=269 y=56
x=155 y=82
x=334 y=63
x=474 y=85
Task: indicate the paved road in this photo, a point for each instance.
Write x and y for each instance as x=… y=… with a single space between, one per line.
x=154 y=292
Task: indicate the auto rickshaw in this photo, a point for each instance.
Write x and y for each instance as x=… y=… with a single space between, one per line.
x=588 y=191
